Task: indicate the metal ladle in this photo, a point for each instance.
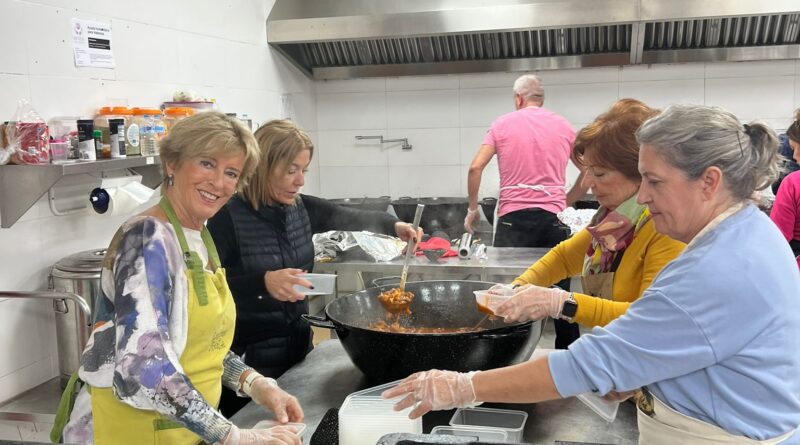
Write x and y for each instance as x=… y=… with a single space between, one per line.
x=397 y=307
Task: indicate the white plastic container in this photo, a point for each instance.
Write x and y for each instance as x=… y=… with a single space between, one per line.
x=323 y=283
x=365 y=417
x=604 y=408
x=480 y=434
x=266 y=424
x=493 y=299
x=510 y=421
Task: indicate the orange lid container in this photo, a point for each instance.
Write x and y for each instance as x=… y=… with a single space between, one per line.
x=178 y=111
x=143 y=111
x=105 y=111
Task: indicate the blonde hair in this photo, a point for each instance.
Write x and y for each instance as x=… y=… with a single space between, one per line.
x=279 y=141
x=209 y=133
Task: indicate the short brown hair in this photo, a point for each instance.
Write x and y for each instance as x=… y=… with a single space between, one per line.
x=207 y=134
x=280 y=141
x=610 y=141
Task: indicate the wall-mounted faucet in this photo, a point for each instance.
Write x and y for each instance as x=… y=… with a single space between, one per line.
x=406 y=145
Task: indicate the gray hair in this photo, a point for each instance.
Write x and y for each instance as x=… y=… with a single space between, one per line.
x=529 y=87
x=694 y=137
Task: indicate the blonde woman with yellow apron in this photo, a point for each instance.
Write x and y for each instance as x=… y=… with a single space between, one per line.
x=158 y=355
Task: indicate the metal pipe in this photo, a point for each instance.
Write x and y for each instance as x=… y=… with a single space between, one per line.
x=406 y=145
x=50 y=295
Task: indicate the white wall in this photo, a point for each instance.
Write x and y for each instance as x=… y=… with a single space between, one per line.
x=445 y=117
x=215 y=47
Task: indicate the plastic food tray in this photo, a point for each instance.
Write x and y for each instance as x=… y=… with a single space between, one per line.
x=604 y=408
x=510 y=421
x=365 y=417
x=265 y=424
x=323 y=283
x=493 y=435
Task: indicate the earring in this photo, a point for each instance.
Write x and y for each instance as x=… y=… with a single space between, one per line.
x=170 y=180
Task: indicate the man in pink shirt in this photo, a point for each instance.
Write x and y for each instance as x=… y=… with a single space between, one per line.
x=533 y=146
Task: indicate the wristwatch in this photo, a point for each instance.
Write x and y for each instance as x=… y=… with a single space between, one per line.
x=569 y=309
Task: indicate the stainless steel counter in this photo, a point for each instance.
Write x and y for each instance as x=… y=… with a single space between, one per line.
x=327 y=376
x=499 y=261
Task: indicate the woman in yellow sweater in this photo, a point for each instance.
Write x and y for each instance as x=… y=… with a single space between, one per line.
x=619 y=253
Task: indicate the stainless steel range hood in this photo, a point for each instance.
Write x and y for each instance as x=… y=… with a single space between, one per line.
x=338 y=39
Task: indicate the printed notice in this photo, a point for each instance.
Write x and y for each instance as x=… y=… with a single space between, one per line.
x=91 y=44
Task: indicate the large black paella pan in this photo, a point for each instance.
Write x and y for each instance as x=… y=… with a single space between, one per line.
x=448 y=306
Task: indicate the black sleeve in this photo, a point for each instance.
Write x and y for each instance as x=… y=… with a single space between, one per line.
x=325 y=215
x=242 y=285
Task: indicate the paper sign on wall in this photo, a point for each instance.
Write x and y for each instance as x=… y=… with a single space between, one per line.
x=91 y=44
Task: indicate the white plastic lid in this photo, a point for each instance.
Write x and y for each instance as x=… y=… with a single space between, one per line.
x=604 y=408
x=267 y=424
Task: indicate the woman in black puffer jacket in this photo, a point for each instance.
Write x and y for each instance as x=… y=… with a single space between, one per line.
x=264 y=240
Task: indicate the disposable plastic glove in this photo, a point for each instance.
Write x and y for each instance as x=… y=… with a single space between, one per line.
x=472 y=218
x=266 y=393
x=434 y=390
x=502 y=289
x=533 y=303
x=277 y=435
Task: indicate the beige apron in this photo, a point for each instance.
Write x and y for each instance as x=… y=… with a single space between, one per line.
x=598 y=285
x=601 y=284
x=665 y=426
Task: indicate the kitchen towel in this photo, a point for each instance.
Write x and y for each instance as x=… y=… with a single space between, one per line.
x=436 y=243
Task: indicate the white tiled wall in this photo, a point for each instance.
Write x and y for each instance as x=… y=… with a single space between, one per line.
x=445 y=117
x=217 y=48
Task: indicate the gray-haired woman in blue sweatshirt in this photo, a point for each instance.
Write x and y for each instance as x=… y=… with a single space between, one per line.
x=715 y=340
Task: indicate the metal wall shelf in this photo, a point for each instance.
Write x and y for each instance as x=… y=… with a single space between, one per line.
x=22 y=185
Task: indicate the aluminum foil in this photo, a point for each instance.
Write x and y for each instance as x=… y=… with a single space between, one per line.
x=381 y=248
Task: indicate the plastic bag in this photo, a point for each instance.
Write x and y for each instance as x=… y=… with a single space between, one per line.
x=28 y=138
x=5 y=150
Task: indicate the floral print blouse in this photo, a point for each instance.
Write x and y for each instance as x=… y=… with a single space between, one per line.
x=139 y=333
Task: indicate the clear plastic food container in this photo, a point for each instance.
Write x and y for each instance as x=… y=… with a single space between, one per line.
x=365 y=417
x=266 y=424
x=604 y=408
x=510 y=421
x=489 y=301
x=482 y=434
x=323 y=284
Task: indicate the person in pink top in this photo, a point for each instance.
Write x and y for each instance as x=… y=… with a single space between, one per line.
x=533 y=146
x=786 y=209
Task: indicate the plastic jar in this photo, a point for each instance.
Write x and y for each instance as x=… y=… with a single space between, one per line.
x=134 y=130
x=106 y=113
x=101 y=123
x=173 y=115
x=151 y=130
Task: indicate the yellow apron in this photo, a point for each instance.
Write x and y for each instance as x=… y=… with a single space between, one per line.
x=666 y=426
x=212 y=316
